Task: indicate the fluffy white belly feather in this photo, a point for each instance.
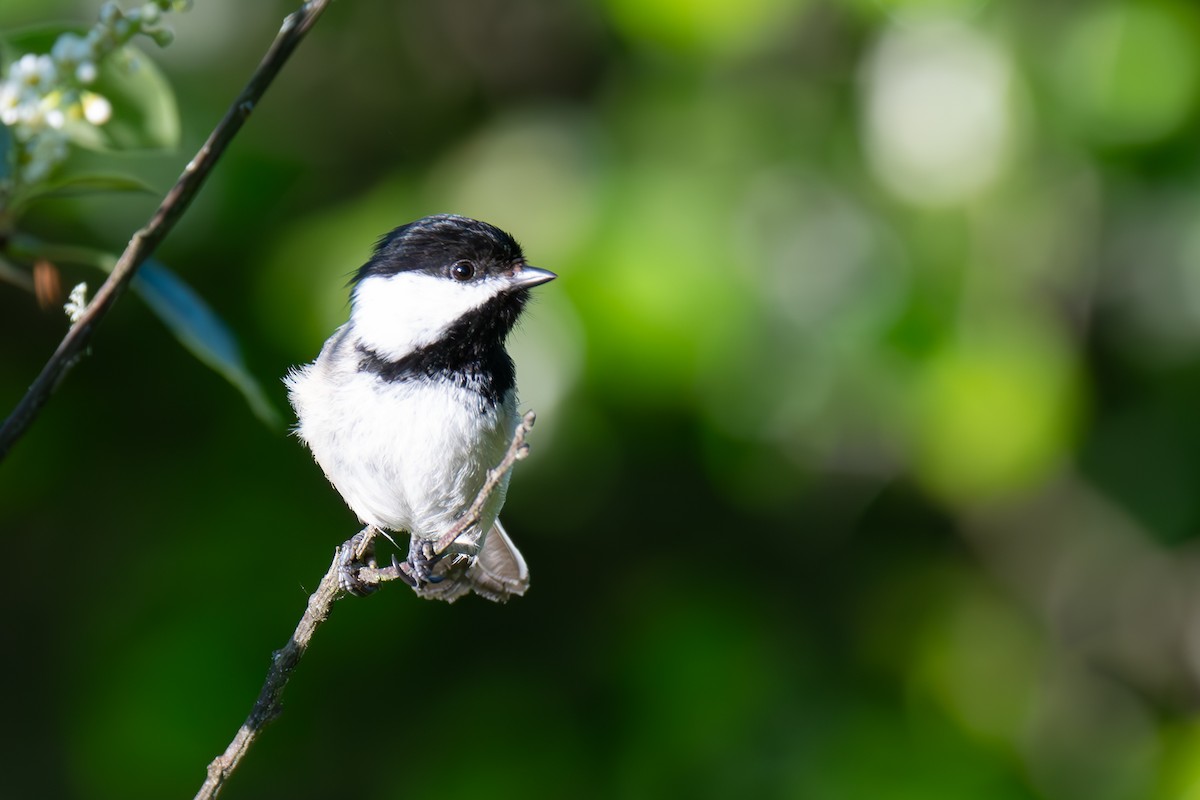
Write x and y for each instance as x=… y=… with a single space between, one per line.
x=393 y=472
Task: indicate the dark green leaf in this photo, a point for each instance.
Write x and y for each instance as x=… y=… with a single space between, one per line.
x=77 y=185
x=33 y=39
x=10 y=273
x=202 y=332
x=30 y=248
x=144 y=112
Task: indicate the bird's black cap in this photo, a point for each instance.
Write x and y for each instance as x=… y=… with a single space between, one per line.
x=432 y=244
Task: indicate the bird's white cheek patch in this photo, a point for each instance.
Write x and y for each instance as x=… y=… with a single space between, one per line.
x=396 y=314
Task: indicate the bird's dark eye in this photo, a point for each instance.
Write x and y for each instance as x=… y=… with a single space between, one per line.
x=462 y=271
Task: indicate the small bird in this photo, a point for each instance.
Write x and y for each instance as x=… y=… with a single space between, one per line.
x=413 y=400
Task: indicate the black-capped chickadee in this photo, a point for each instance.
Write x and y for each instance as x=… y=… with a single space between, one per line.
x=412 y=401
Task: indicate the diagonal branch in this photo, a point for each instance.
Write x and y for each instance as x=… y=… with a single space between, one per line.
x=144 y=242
x=284 y=661
x=269 y=705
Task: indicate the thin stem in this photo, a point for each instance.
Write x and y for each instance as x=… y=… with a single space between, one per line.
x=517 y=450
x=143 y=243
x=283 y=662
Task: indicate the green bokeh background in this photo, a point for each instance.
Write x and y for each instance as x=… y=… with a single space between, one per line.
x=868 y=444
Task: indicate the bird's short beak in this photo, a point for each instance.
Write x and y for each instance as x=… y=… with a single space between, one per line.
x=526 y=276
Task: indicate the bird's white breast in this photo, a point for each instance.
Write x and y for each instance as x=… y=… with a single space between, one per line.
x=406 y=456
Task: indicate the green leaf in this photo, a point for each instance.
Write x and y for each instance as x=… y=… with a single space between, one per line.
x=202 y=332
x=145 y=115
x=30 y=248
x=78 y=185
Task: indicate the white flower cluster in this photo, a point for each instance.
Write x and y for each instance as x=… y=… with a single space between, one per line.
x=77 y=303
x=41 y=95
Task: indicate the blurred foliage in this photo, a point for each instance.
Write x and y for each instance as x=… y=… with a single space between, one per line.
x=63 y=85
x=867 y=442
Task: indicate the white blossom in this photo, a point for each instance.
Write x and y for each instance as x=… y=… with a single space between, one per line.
x=41 y=154
x=109 y=14
x=41 y=93
x=77 y=302
x=70 y=49
x=96 y=108
x=9 y=101
x=86 y=72
x=34 y=71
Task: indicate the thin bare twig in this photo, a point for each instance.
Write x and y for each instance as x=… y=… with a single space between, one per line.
x=268 y=705
x=284 y=661
x=145 y=241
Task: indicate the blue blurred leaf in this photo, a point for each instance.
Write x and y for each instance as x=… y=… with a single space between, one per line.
x=202 y=332
x=5 y=144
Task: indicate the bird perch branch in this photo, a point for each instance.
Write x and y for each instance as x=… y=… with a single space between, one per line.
x=283 y=661
x=143 y=243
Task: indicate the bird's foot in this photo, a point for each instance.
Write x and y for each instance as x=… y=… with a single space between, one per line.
x=423 y=558
x=353 y=556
